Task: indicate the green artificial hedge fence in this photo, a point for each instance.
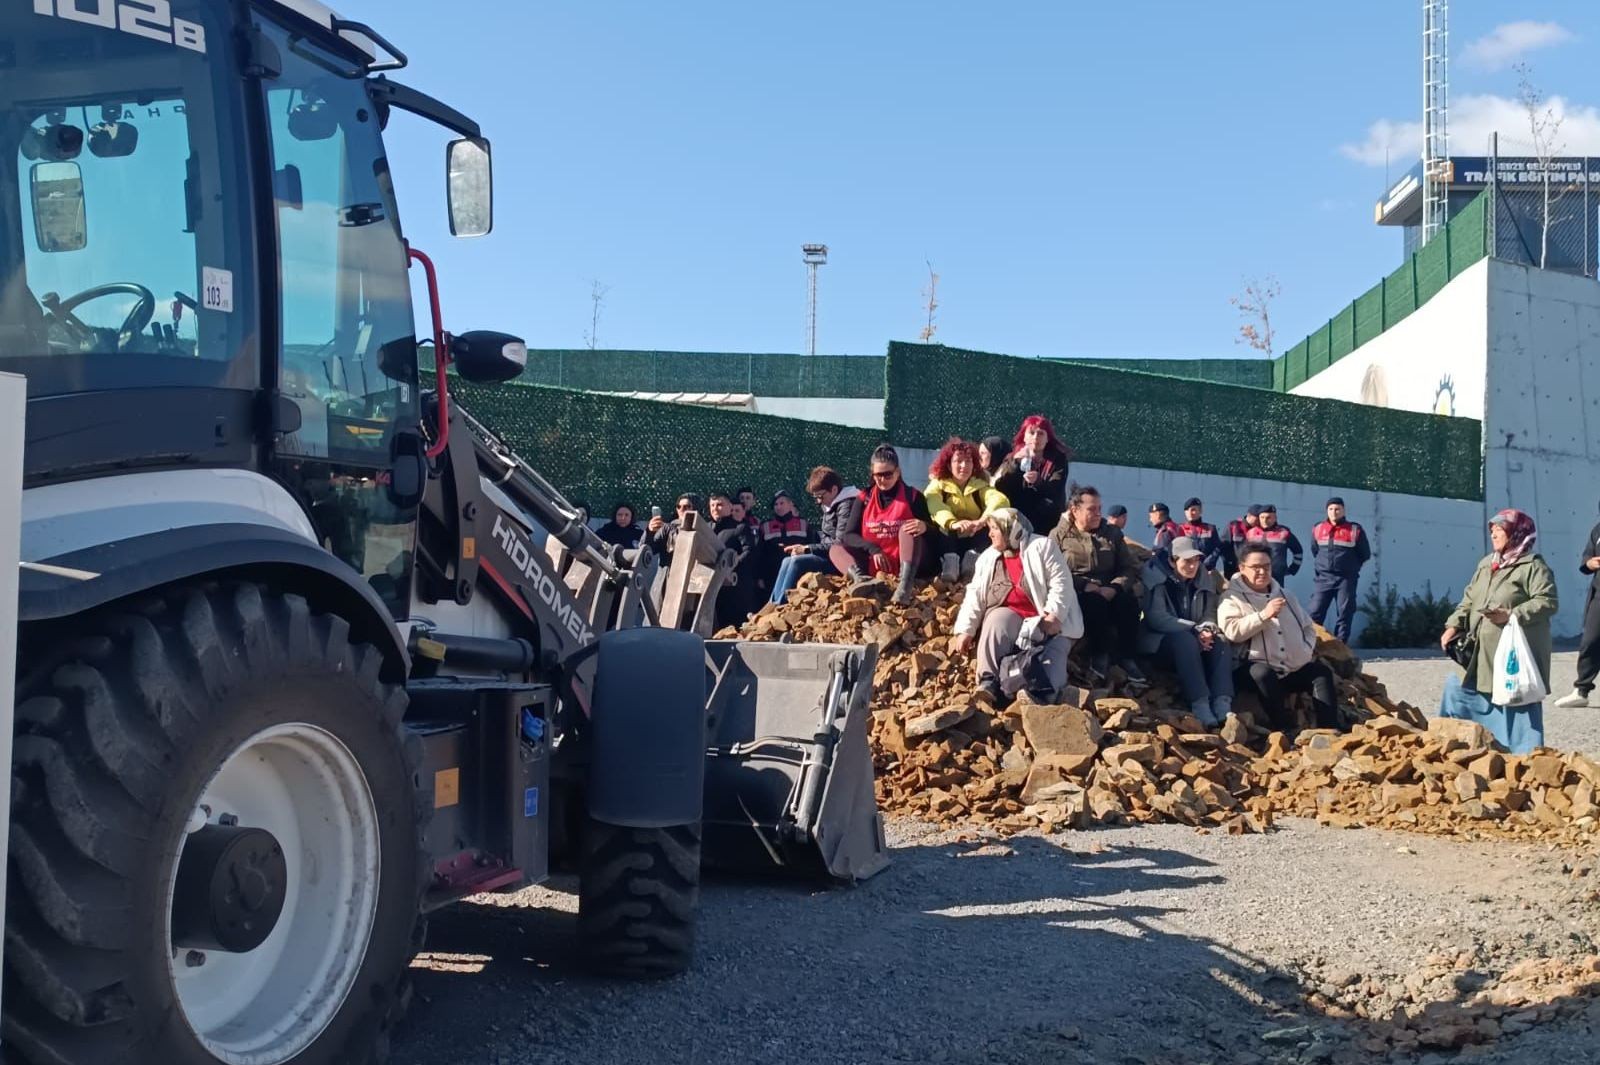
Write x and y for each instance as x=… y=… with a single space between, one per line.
x=1135 y=419
x=605 y=450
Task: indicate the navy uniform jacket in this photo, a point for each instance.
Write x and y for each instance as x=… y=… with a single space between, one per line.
x=1340 y=550
x=1287 y=553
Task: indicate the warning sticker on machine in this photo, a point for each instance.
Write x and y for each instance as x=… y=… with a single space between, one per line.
x=216 y=289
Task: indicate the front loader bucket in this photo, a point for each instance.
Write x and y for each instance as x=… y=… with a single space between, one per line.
x=789 y=772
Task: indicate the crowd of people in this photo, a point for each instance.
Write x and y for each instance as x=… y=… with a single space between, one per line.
x=1049 y=568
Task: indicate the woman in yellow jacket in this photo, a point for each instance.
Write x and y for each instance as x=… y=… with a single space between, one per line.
x=960 y=499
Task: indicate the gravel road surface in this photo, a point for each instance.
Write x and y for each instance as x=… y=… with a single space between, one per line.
x=1139 y=946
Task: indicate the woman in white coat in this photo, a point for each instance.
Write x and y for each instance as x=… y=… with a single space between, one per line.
x=1020 y=612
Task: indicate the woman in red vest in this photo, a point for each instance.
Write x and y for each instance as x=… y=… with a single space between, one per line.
x=893 y=533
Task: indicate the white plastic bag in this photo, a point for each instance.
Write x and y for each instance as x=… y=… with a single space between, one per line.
x=1516 y=674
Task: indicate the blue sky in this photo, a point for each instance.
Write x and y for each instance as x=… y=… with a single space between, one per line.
x=1087 y=179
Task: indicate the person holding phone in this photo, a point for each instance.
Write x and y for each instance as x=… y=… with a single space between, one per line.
x=1276 y=639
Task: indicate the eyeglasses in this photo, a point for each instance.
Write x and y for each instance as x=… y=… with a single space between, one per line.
x=685 y=506
x=884 y=475
x=1255 y=565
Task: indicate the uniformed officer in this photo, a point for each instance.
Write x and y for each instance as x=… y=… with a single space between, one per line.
x=1339 y=548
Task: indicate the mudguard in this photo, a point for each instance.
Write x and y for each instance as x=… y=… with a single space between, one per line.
x=72 y=583
x=647 y=729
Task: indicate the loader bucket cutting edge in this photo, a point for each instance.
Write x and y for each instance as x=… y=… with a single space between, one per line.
x=789 y=779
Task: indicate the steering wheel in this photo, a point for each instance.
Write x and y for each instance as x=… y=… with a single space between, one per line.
x=139 y=317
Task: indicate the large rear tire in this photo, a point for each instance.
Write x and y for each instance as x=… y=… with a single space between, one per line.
x=209 y=708
x=638 y=899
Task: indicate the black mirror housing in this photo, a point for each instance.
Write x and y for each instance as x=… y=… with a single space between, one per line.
x=486 y=357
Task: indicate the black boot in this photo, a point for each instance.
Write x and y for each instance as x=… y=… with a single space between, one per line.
x=908 y=586
x=863 y=585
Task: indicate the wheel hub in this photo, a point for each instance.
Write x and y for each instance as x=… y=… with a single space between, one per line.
x=230 y=889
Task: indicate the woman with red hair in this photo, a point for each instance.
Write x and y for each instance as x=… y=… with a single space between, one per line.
x=1034 y=477
x=960 y=498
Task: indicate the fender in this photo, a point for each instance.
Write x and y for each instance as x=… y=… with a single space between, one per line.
x=78 y=581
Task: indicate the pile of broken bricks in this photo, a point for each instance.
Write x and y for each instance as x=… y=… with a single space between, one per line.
x=1121 y=753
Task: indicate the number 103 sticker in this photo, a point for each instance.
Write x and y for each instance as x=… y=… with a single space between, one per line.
x=216 y=289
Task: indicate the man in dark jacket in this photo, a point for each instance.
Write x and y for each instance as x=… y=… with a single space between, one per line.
x=1339 y=548
x=1287 y=553
x=1163 y=530
x=1203 y=533
x=841 y=515
x=662 y=534
x=1589 y=648
x=1238 y=535
x=740 y=597
x=785 y=529
x=1104 y=574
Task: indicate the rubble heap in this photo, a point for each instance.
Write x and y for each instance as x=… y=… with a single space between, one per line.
x=1120 y=753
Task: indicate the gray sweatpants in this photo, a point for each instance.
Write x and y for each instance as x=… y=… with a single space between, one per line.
x=998 y=641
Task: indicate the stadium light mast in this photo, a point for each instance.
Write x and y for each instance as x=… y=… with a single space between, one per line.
x=815 y=255
x=1436 y=169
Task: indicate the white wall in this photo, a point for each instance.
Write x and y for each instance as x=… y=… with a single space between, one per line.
x=860 y=413
x=1416 y=540
x=1542 y=430
x=1416 y=364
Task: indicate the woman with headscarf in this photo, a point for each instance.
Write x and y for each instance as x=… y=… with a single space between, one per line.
x=1511 y=581
x=1019 y=611
x=1034 y=476
x=622 y=530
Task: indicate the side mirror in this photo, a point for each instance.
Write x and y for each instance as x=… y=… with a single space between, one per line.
x=113 y=140
x=469 y=183
x=312 y=119
x=59 y=220
x=484 y=357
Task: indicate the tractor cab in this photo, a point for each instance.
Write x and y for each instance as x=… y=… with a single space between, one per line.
x=201 y=259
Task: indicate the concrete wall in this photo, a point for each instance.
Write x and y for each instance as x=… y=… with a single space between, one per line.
x=1417 y=541
x=1542 y=430
x=859 y=413
x=1432 y=361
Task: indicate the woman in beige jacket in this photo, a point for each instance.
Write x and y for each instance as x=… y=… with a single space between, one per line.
x=1276 y=639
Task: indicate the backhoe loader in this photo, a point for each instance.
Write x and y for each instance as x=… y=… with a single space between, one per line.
x=305 y=651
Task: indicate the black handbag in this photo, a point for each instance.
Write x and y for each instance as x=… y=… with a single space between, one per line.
x=1027 y=669
x=1463 y=650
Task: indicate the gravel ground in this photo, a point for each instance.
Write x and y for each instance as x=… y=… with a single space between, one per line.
x=1418 y=678
x=1140 y=946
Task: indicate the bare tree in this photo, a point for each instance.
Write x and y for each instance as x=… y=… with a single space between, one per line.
x=597 y=296
x=1544 y=125
x=1255 y=307
x=930 y=296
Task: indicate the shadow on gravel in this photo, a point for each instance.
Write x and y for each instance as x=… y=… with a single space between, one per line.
x=1020 y=952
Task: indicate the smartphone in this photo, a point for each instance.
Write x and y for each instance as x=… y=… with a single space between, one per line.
x=655 y=512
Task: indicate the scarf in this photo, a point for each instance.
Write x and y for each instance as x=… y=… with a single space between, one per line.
x=1521 y=533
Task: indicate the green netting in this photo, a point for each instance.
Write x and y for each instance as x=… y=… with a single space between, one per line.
x=1251 y=373
x=604 y=450
x=840 y=376
x=1368 y=314
x=1433 y=271
x=1144 y=420
x=1380 y=307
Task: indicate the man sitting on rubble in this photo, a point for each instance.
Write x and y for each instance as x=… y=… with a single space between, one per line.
x=1020 y=612
x=1103 y=575
x=1277 y=640
x=1180 y=628
x=841 y=515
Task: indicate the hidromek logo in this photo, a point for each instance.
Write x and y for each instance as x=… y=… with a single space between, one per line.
x=526 y=560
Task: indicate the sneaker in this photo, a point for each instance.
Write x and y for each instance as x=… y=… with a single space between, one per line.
x=1135 y=674
x=1100 y=668
x=988 y=695
x=969 y=565
x=1573 y=700
x=951 y=568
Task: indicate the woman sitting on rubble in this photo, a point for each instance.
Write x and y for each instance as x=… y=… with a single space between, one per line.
x=1020 y=612
x=1180 y=628
x=893 y=537
x=1034 y=477
x=960 y=497
x=1510 y=581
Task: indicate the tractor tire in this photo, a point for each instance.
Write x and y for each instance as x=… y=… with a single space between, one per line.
x=207 y=712
x=638 y=898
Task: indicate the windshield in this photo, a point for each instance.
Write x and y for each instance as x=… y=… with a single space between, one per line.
x=123 y=175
